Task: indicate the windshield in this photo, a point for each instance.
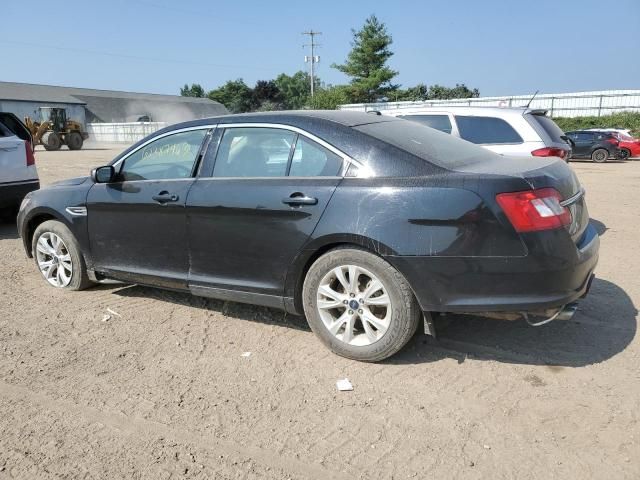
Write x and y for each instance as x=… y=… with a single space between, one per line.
x=436 y=147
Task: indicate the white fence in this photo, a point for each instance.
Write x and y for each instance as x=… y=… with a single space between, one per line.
x=122 y=132
x=579 y=104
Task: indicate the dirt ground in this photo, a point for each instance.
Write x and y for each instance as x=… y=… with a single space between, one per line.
x=161 y=390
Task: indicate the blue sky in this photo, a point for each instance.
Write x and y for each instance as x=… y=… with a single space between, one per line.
x=500 y=47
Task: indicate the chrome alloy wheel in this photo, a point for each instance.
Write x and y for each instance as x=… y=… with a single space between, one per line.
x=354 y=305
x=54 y=260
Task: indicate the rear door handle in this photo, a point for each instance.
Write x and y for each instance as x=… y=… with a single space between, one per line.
x=299 y=199
x=165 y=197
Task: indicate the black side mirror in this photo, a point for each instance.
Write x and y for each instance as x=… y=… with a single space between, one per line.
x=104 y=174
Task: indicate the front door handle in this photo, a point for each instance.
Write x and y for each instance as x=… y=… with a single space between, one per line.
x=165 y=197
x=299 y=199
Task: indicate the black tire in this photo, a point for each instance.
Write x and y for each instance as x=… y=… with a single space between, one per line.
x=51 y=141
x=625 y=153
x=600 y=155
x=405 y=313
x=74 y=140
x=79 y=277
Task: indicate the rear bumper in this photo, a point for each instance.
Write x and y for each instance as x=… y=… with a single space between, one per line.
x=12 y=193
x=537 y=281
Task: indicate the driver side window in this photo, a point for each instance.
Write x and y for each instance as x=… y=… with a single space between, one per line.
x=167 y=158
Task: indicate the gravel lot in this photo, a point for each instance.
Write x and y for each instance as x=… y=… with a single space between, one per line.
x=161 y=390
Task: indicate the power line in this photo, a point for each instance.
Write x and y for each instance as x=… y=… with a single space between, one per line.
x=134 y=57
x=313 y=59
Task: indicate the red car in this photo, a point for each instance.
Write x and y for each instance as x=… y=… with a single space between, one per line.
x=629 y=146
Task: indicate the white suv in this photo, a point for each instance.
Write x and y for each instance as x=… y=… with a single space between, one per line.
x=507 y=131
x=18 y=174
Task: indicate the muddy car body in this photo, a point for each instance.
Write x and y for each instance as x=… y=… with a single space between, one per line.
x=365 y=225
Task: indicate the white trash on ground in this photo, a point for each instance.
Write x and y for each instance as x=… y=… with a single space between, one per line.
x=344 y=385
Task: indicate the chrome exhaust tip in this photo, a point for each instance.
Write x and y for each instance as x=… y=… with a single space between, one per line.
x=568 y=311
x=565 y=312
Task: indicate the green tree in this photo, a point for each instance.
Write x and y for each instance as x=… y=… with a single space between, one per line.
x=235 y=95
x=266 y=96
x=329 y=97
x=438 y=92
x=295 y=89
x=195 y=90
x=366 y=62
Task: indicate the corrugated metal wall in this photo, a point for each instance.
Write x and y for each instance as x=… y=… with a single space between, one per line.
x=122 y=132
x=579 y=104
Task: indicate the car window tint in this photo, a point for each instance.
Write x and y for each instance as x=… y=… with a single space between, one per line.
x=168 y=157
x=585 y=137
x=486 y=130
x=253 y=152
x=313 y=160
x=439 y=122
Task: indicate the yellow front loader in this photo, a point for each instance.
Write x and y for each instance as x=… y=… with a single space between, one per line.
x=54 y=129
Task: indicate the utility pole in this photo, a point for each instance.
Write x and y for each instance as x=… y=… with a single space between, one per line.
x=313 y=59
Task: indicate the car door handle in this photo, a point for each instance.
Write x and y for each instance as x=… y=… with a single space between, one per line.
x=165 y=197
x=299 y=199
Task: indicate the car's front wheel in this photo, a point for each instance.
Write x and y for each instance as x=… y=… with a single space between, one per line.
x=359 y=305
x=58 y=256
x=600 y=155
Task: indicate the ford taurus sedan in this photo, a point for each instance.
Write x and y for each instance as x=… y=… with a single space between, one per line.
x=365 y=224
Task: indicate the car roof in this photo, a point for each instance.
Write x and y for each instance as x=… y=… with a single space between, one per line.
x=345 y=118
x=477 y=111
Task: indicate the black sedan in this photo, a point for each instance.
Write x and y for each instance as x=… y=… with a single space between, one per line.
x=364 y=223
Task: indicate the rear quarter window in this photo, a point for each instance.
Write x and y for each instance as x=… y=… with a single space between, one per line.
x=439 y=122
x=554 y=132
x=486 y=130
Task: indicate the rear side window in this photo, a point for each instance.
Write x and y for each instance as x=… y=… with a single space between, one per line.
x=313 y=160
x=439 y=122
x=486 y=130
x=253 y=152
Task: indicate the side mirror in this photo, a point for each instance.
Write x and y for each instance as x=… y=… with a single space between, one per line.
x=104 y=174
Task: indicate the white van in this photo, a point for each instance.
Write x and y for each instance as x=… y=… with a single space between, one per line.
x=507 y=131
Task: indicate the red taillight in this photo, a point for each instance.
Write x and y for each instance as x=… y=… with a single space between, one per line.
x=612 y=141
x=31 y=158
x=534 y=210
x=549 y=152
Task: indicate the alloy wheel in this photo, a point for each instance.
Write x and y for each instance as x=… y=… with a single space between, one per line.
x=54 y=259
x=354 y=305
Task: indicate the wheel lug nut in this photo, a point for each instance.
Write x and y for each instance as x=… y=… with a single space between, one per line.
x=345 y=301
x=360 y=311
x=352 y=295
x=350 y=312
x=361 y=300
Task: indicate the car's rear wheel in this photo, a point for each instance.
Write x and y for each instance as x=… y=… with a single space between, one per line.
x=359 y=305
x=625 y=153
x=58 y=256
x=600 y=155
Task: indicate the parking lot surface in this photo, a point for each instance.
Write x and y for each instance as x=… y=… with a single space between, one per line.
x=132 y=382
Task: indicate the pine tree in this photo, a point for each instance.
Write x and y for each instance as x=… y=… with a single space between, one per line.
x=366 y=63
